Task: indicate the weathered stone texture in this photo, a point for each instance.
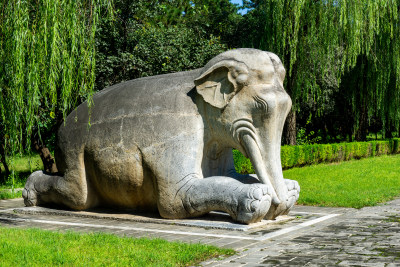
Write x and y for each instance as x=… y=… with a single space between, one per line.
x=165 y=143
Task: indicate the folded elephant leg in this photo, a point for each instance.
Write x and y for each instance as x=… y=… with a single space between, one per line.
x=277 y=208
x=246 y=203
x=71 y=191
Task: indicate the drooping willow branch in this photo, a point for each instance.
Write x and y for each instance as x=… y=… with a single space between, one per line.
x=47 y=60
x=324 y=39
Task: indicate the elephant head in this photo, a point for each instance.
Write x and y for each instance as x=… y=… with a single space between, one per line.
x=246 y=86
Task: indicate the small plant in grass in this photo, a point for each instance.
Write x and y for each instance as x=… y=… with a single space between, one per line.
x=34 y=247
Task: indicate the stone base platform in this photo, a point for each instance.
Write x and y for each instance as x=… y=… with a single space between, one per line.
x=213 y=220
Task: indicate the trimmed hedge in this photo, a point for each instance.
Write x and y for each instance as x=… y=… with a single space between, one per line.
x=295 y=156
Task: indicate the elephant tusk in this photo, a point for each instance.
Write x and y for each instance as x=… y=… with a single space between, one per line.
x=255 y=157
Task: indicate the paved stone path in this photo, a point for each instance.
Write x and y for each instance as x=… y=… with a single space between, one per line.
x=315 y=237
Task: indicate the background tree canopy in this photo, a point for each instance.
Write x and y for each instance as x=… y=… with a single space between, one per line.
x=342 y=59
x=154 y=37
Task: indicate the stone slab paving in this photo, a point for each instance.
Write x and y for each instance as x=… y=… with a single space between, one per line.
x=314 y=236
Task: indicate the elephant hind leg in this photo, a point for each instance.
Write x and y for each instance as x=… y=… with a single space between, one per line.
x=70 y=190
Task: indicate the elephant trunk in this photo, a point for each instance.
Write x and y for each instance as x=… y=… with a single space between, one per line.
x=266 y=159
x=267 y=166
x=254 y=153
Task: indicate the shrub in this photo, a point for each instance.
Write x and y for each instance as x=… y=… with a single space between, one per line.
x=242 y=164
x=300 y=155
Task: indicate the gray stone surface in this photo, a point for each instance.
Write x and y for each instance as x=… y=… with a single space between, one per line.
x=213 y=220
x=165 y=143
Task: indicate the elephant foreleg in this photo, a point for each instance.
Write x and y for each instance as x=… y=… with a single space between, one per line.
x=281 y=207
x=284 y=207
x=246 y=203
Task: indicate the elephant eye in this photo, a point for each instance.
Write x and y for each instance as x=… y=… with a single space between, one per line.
x=260 y=103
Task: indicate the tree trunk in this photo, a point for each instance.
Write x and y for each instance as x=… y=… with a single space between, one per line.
x=398 y=135
x=49 y=164
x=3 y=178
x=388 y=132
x=361 y=133
x=290 y=129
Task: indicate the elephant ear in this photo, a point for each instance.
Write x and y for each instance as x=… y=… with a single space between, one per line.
x=219 y=83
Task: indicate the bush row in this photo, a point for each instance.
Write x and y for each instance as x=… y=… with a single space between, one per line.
x=295 y=156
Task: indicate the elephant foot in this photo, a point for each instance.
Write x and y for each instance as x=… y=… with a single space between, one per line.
x=29 y=193
x=284 y=207
x=254 y=204
x=293 y=194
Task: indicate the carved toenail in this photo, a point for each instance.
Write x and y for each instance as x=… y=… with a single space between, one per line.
x=258 y=194
x=254 y=205
x=264 y=190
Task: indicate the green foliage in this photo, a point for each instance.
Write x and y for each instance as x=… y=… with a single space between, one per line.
x=304 y=34
x=47 y=52
x=36 y=247
x=324 y=44
x=155 y=37
x=21 y=168
x=355 y=183
x=9 y=194
x=394 y=145
x=242 y=164
x=157 y=50
x=300 y=155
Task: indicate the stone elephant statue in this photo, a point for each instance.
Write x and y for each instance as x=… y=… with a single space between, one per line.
x=165 y=143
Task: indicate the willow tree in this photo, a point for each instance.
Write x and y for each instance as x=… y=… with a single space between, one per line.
x=47 y=67
x=371 y=38
x=321 y=40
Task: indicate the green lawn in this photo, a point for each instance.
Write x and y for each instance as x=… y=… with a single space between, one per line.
x=6 y=194
x=356 y=183
x=23 y=167
x=34 y=247
x=25 y=164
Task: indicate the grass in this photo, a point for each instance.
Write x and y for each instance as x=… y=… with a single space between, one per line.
x=355 y=184
x=34 y=247
x=9 y=195
x=23 y=166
